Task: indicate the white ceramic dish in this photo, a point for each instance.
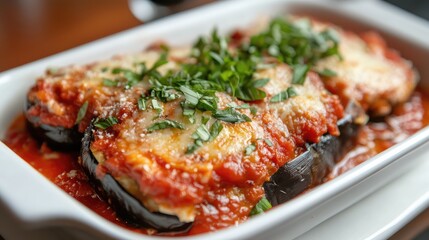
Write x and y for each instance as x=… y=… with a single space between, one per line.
x=32 y=202
x=382 y=213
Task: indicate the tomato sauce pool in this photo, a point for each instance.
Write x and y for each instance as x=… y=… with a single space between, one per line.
x=63 y=170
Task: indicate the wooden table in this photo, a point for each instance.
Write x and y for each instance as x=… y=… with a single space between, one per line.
x=33 y=29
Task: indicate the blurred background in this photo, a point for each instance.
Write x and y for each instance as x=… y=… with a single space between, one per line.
x=33 y=29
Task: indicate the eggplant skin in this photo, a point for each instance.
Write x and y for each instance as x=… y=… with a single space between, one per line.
x=126 y=206
x=309 y=168
x=57 y=137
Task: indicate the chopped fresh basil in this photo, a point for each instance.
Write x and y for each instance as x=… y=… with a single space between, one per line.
x=262 y=206
x=249 y=149
x=299 y=73
x=204 y=119
x=268 y=142
x=164 y=94
x=207 y=103
x=215 y=129
x=110 y=83
x=283 y=95
x=191 y=96
x=202 y=135
x=141 y=103
x=253 y=110
x=165 y=124
x=156 y=106
x=162 y=60
x=82 y=112
x=260 y=82
x=104 y=123
x=327 y=73
x=230 y=115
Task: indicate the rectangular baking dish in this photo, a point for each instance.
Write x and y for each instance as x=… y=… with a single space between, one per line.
x=36 y=208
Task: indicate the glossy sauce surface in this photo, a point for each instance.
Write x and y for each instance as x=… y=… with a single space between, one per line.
x=64 y=171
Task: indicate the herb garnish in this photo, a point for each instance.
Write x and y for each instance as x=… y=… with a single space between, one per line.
x=327 y=73
x=249 y=149
x=268 y=142
x=133 y=77
x=231 y=115
x=141 y=103
x=283 y=95
x=110 y=83
x=167 y=123
x=262 y=206
x=202 y=134
x=299 y=73
x=104 y=123
x=82 y=112
x=294 y=43
x=156 y=106
x=212 y=67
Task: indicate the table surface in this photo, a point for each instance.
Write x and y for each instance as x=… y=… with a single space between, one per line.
x=33 y=29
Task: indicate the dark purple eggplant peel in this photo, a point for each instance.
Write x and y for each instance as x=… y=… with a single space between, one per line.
x=57 y=137
x=311 y=167
x=126 y=206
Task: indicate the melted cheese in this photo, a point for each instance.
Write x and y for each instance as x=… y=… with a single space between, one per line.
x=307 y=108
x=141 y=149
x=367 y=74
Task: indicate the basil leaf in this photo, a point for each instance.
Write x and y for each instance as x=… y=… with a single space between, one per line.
x=250 y=94
x=231 y=116
x=82 y=112
x=202 y=133
x=249 y=149
x=262 y=206
x=156 y=106
x=268 y=142
x=207 y=103
x=299 y=73
x=253 y=110
x=283 y=95
x=215 y=129
x=141 y=103
x=165 y=124
x=110 y=83
x=260 y=82
x=104 y=123
x=327 y=73
x=204 y=119
x=162 y=60
x=190 y=95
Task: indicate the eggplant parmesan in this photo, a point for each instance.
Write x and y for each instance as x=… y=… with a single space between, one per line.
x=369 y=73
x=202 y=137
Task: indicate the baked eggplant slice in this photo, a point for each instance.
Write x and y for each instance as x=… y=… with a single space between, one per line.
x=297 y=175
x=57 y=137
x=309 y=168
x=370 y=72
x=61 y=103
x=127 y=206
